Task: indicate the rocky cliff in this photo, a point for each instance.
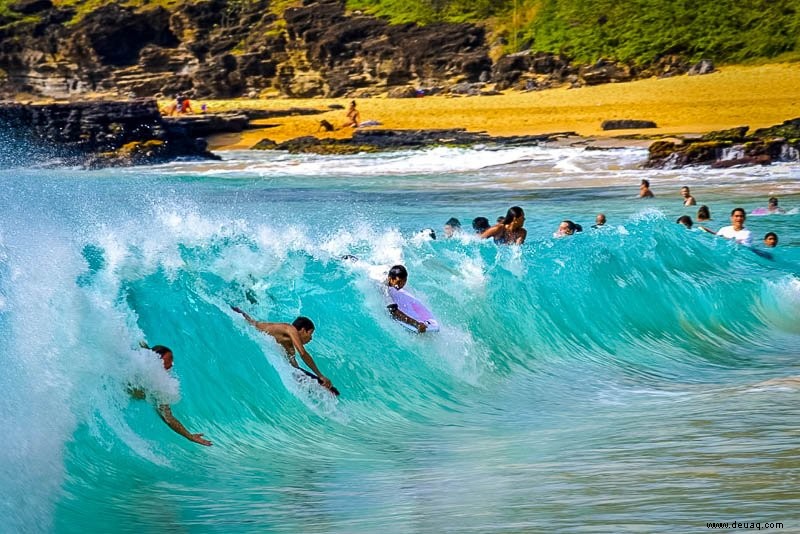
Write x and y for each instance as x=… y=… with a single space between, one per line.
x=231 y=48
x=222 y=48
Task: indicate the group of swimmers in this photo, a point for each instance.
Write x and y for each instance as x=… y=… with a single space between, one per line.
x=508 y=230
x=736 y=230
x=292 y=338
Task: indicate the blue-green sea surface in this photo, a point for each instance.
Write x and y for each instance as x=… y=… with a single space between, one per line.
x=635 y=377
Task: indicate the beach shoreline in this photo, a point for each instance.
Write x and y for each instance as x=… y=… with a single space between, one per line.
x=754 y=96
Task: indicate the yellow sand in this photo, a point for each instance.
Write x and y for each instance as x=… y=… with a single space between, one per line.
x=756 y=96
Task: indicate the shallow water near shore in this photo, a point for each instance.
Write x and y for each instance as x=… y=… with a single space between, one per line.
x=611 y=381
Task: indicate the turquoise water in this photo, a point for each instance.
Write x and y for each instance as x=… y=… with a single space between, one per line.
x=611 y=381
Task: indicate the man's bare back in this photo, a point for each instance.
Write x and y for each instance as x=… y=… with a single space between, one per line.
x=293 y=338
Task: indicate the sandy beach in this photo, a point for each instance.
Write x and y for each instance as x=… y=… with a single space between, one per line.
x=756 y=96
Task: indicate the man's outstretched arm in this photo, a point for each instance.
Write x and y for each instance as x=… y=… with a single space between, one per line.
x=166 y=414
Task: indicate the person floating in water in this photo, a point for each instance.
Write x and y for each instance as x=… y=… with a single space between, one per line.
x=480 y=224
x=293 y=338
x=599 y=221
x=566 y=228
x=451 y=227
x=771 y=240
x=397 y=279
x=644 y=190
x=688 y=199
x=510 y=230
x=703 y=214
x=164 y=410
x=686 y=221
x=736 y=230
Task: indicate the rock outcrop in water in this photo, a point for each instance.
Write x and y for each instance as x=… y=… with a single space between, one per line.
x=727 y=148
x=99 y=134
x=389 y=140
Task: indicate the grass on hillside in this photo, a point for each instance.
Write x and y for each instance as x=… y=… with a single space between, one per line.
x=637 y=31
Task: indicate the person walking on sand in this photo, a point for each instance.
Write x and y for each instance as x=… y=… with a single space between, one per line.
x=164 y=410
x=293 y=338
x=353 y=116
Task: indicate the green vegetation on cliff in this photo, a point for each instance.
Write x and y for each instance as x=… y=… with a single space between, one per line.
x=634 y=31
x=637 y=31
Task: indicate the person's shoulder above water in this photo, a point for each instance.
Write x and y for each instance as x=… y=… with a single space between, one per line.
x=688 y=199
x=644 y=189
x=510 y=231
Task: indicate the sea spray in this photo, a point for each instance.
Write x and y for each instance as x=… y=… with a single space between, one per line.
x=617 y=363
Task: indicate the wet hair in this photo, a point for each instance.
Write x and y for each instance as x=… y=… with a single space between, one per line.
x=773 y=201
x=734 y=210
x=771 y=234
x=398 y=271
x=703 y=213
x=303 y=323
x=685 y=220
x=646 y=182
x=160 y=349
x=452 y=221
x=685 y=187
x=572 y=226
x=512 y=213
x=480 y=224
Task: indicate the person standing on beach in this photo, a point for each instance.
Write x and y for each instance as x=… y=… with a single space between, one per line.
x=164 y=410
x=510 y=230
x=293 y=338
x=688 y=199
x=644 y=190
x=353 y=116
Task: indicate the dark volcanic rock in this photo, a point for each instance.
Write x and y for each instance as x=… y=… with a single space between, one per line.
x=222 y=49
x=93 y=133
x=29 y=7
x=388 y=140
x=627 y=124
x=727 y=148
